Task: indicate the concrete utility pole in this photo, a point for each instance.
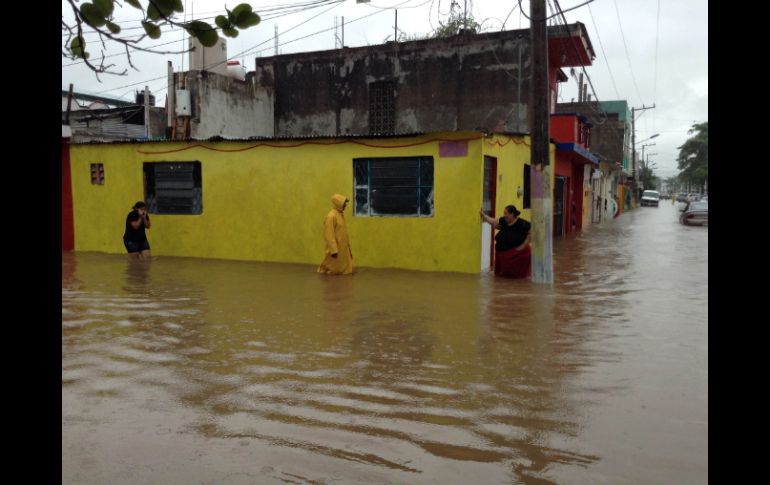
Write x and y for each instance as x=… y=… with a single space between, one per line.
x=147 y=112
x=395 y=29
x=171 y=105
x=633 y=141
x=69 y=106
x=540 y=181
x=465 y=16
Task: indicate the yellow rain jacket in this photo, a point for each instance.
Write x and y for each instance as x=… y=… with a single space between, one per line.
x=337 y=242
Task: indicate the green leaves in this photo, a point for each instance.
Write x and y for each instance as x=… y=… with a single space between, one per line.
x=152 y=30
x=694 y=155
x=243 y=17
x=93 y=15
x=105 y=7
x=98 y=14
x=153 y=13
x=77 y=46
x=158 y=9
x=222 y=22
x=205 y=33
x=115 y=29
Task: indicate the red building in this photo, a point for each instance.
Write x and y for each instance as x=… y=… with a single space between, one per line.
x=571 y=133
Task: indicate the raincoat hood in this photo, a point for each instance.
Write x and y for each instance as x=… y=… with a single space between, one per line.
x=338 y=201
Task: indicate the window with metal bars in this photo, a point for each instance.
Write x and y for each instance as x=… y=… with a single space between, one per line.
x=173 y=187
x=398 y=186
x=382 y=110
x=97 y=173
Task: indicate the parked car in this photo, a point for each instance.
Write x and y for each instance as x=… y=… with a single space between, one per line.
x=682 y=197
x=650 y=198
x=695 y=213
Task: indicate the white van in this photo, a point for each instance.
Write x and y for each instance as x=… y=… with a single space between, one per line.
x=650 y=197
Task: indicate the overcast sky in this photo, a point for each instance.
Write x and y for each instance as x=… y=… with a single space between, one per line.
x=674 y=76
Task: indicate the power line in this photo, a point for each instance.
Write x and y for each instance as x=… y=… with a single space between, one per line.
x=260 y=44
x=261 y=10
x=290 y=29
x=324 y=2
x=315 y=33
x=397 y=6
x=574 y=46
x=625 y=46
x=655 y=77
x=119 y=54
x=593 y=106
x=606 y=61
x=560 y=12
x=270 y=16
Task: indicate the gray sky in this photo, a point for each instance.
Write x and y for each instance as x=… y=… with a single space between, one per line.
x=679 y=91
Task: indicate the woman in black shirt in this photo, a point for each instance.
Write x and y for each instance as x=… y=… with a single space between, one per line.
x=134 y=238
x=513 y=254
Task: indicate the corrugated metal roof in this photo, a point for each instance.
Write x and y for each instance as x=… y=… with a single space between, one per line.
x=219 y=139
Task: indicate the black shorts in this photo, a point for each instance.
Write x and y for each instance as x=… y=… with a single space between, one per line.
x=136 y=246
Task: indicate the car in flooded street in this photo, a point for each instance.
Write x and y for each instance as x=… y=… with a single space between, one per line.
x=650 y=198
x=695 y=214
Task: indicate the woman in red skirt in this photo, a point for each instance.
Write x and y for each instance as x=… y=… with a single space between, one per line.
x=513 y=254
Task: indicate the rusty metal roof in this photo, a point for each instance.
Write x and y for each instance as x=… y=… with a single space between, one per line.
x=220 y=139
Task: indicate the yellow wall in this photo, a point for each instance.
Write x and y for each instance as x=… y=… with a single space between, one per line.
x=512 y=153
x=268 y=203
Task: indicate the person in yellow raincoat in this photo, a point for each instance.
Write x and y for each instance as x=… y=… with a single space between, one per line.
x=339 y=257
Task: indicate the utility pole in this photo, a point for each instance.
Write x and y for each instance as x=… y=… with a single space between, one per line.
x=580 y=89
x=276 y=39
x=171 y=96
x=337 y=40
x=465 y=17
x=69 y=106
x=339 y=33
x=395 y=31
x=147 y=112
x=540 y=181
x=633 y=144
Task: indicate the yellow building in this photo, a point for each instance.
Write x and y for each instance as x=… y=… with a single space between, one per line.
x=415 y=199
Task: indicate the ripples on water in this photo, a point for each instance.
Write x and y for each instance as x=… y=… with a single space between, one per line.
x=199 y=371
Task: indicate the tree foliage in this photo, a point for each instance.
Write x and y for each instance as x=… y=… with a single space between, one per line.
x=97 y=16
x=694 y=156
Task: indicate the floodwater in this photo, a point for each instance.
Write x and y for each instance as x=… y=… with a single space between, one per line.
x=195 y=371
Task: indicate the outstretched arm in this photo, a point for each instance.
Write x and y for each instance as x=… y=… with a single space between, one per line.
x=490 y=220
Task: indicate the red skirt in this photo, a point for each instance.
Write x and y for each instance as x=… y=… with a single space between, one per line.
x=514 y=263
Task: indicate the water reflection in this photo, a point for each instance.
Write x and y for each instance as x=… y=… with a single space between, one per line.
x=259 y=373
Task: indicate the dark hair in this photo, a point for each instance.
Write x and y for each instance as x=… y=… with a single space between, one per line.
x=512 y=210
x=139 y=205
